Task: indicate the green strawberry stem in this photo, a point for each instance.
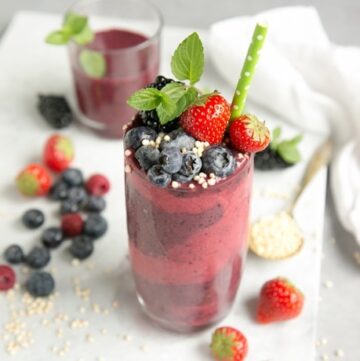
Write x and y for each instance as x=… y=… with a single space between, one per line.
x=248 y=70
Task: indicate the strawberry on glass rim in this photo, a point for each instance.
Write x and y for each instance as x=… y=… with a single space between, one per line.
x=207 y=122
x=249 y=134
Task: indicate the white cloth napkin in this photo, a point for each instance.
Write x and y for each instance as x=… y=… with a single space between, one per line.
x=306 y=80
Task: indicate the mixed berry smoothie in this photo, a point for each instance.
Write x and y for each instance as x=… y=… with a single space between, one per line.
x=187 y=245
x=130 y=65
x=188 y=162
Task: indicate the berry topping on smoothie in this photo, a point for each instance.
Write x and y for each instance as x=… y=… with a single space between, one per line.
x=181 y=134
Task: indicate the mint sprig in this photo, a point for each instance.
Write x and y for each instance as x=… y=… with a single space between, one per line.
x=74 y=27
x=187 y=64
x=287 y=149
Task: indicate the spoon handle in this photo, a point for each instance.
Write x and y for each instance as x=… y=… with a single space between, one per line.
x=320 y=158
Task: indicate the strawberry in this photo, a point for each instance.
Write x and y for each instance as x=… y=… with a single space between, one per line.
x=207 y=122
x=228 y=344
x=249 y=134
x=58 y=152
x=279 y=300
x=34 y=180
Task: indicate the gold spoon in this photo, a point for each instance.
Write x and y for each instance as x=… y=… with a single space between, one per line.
x=279 y=236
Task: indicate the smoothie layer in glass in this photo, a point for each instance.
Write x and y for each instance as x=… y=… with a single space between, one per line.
x=187 y=246
x=128 y=68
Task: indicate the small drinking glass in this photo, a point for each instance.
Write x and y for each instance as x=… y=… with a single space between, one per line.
x=126 y=52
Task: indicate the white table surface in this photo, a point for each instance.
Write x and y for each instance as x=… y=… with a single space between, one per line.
x=30 y=67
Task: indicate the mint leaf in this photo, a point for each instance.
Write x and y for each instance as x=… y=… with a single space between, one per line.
x=75 y=23
x=185 y=101
x=275 y=138
x=57 y=38
x=296 y=140
x=74 y=27
x=276 y=133
x=288 y=150
x=187 y=63
x=166 y=109
x=174 y=90
x=85 y=36
x=145 y=99
x=93 y=63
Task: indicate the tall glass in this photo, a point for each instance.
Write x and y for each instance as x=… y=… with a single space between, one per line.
x=127 y=37
x=188 y=246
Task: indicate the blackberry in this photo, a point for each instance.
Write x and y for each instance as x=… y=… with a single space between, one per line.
x=269 y=159
x=40 y=284
x=55 y=110
x=160 y=82
x=150 y=119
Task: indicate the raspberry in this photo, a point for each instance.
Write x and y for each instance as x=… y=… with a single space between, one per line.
x=97 y=185
x=7 y=278
x=72 y=224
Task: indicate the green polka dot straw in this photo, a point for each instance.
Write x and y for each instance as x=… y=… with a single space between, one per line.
x=248 y=70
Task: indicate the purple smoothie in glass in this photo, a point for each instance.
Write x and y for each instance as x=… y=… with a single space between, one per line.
x=188 y=246
x=131 y=63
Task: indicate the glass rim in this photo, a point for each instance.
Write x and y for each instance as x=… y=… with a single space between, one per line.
x=137 y=47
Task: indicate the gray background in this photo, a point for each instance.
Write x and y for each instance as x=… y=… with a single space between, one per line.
x=341 y=17
x=339 y=316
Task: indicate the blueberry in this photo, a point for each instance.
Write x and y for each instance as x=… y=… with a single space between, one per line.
x=33 y=218
x=95 y=204
x=95 y=226
x=78 y=195
x=52 y=237
x=171 y=159
x=59 y=191
x=147 y=156
x=178 y=177
x=218 y=160
x=69 y=206
x=72 y=177
x=191 y=165
x=14 y=254
x=158 y=176
x=179 y=139
x=135 y=136
x=38 y=257
x=81 y=247
x=40 y=284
